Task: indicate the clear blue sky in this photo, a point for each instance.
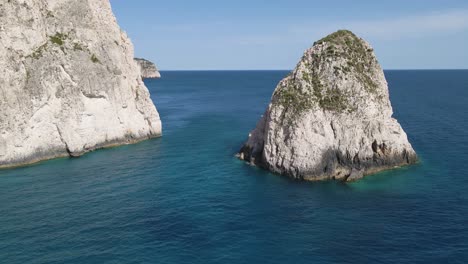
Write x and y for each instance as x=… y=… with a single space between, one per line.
x=255 y=34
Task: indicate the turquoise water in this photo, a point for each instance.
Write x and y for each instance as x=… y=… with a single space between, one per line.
x=184 y=198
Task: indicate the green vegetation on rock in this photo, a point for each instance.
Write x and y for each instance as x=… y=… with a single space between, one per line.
x=337 y=37
x=58 y=38
x=77 y=46
x=345 y=44
x=306 y=89
x=94 y=58
x=38 y=52
x=298 y=100
x=294 y=98
x=331 y=99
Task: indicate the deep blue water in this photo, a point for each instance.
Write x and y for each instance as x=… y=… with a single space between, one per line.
x=184 y=198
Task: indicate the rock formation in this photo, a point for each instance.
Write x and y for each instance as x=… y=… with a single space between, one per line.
x=68 y=82
x=148 y=69
x=331 y=118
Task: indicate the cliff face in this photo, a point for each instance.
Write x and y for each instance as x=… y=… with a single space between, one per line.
x=68 y=81
x=148 y=69
x=331 y=118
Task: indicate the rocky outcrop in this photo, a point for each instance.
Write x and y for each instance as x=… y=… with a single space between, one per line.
x=148 y=69
x=331 y=118
x=68 y=82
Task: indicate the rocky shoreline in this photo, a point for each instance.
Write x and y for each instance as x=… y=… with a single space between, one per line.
x=49 y=154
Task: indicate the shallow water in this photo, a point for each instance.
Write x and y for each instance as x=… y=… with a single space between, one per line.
x=184 y=198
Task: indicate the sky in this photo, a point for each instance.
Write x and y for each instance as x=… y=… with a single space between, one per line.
x=273 y=34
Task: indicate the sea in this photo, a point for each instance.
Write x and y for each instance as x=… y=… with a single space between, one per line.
x=185 y=198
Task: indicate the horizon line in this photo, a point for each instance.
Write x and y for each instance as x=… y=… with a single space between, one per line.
x=186 y=70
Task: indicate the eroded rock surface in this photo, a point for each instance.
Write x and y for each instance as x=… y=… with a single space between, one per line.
x=148 y=69
x=331 y=118
x=68 y=81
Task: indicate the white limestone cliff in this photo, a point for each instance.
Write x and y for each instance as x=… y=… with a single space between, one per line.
x=68 y=82
x=148 y=69
x=331 y=118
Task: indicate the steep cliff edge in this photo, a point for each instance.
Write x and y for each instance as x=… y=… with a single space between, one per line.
x=68 y=82
x=148 y=69
x=331 y=118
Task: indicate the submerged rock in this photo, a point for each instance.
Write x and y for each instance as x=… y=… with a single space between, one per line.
x=148 y=69
x=330 y=118
x=68 y=82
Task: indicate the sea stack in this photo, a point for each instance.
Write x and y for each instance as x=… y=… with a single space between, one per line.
x=331 y=117
x=68 y=82
x=148 y=69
